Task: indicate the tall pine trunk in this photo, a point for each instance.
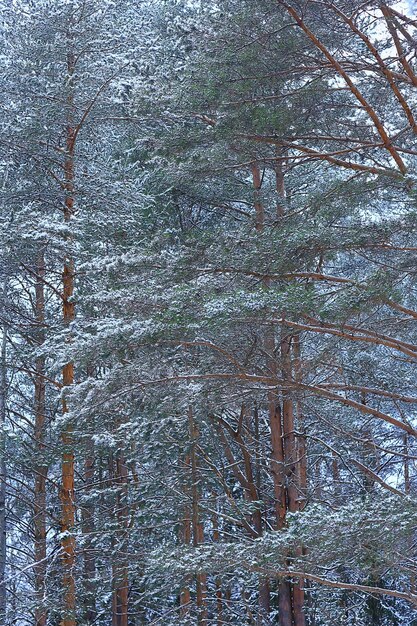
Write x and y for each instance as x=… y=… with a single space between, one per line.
x=120 y=569
x=67 y=487
x=291 y=604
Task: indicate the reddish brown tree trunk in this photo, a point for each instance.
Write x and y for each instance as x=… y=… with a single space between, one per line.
x=264 y=601
x=292 y=474
x=285 y=456
x=67 y=490
x=290 y=450
x=301 y=437
x=291 y=603
x=285 y=604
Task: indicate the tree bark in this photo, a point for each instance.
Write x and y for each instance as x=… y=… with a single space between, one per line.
x=121 y=570
x=285 y=604
x=67 y=489
x=291 y=596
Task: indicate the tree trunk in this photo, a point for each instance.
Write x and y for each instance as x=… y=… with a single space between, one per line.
x=121 y=570
x=291 y=604
x=285 y=605
x=264 y=602
x=299 y=602
x=292 y=474
x=290 y=450
x=67 y=490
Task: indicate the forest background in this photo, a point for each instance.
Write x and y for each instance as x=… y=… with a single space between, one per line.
x=208 y=351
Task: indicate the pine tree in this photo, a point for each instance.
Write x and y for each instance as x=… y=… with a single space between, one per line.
x=207 y=224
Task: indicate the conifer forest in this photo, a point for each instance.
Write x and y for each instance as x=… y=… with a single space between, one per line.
x=208 y=313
